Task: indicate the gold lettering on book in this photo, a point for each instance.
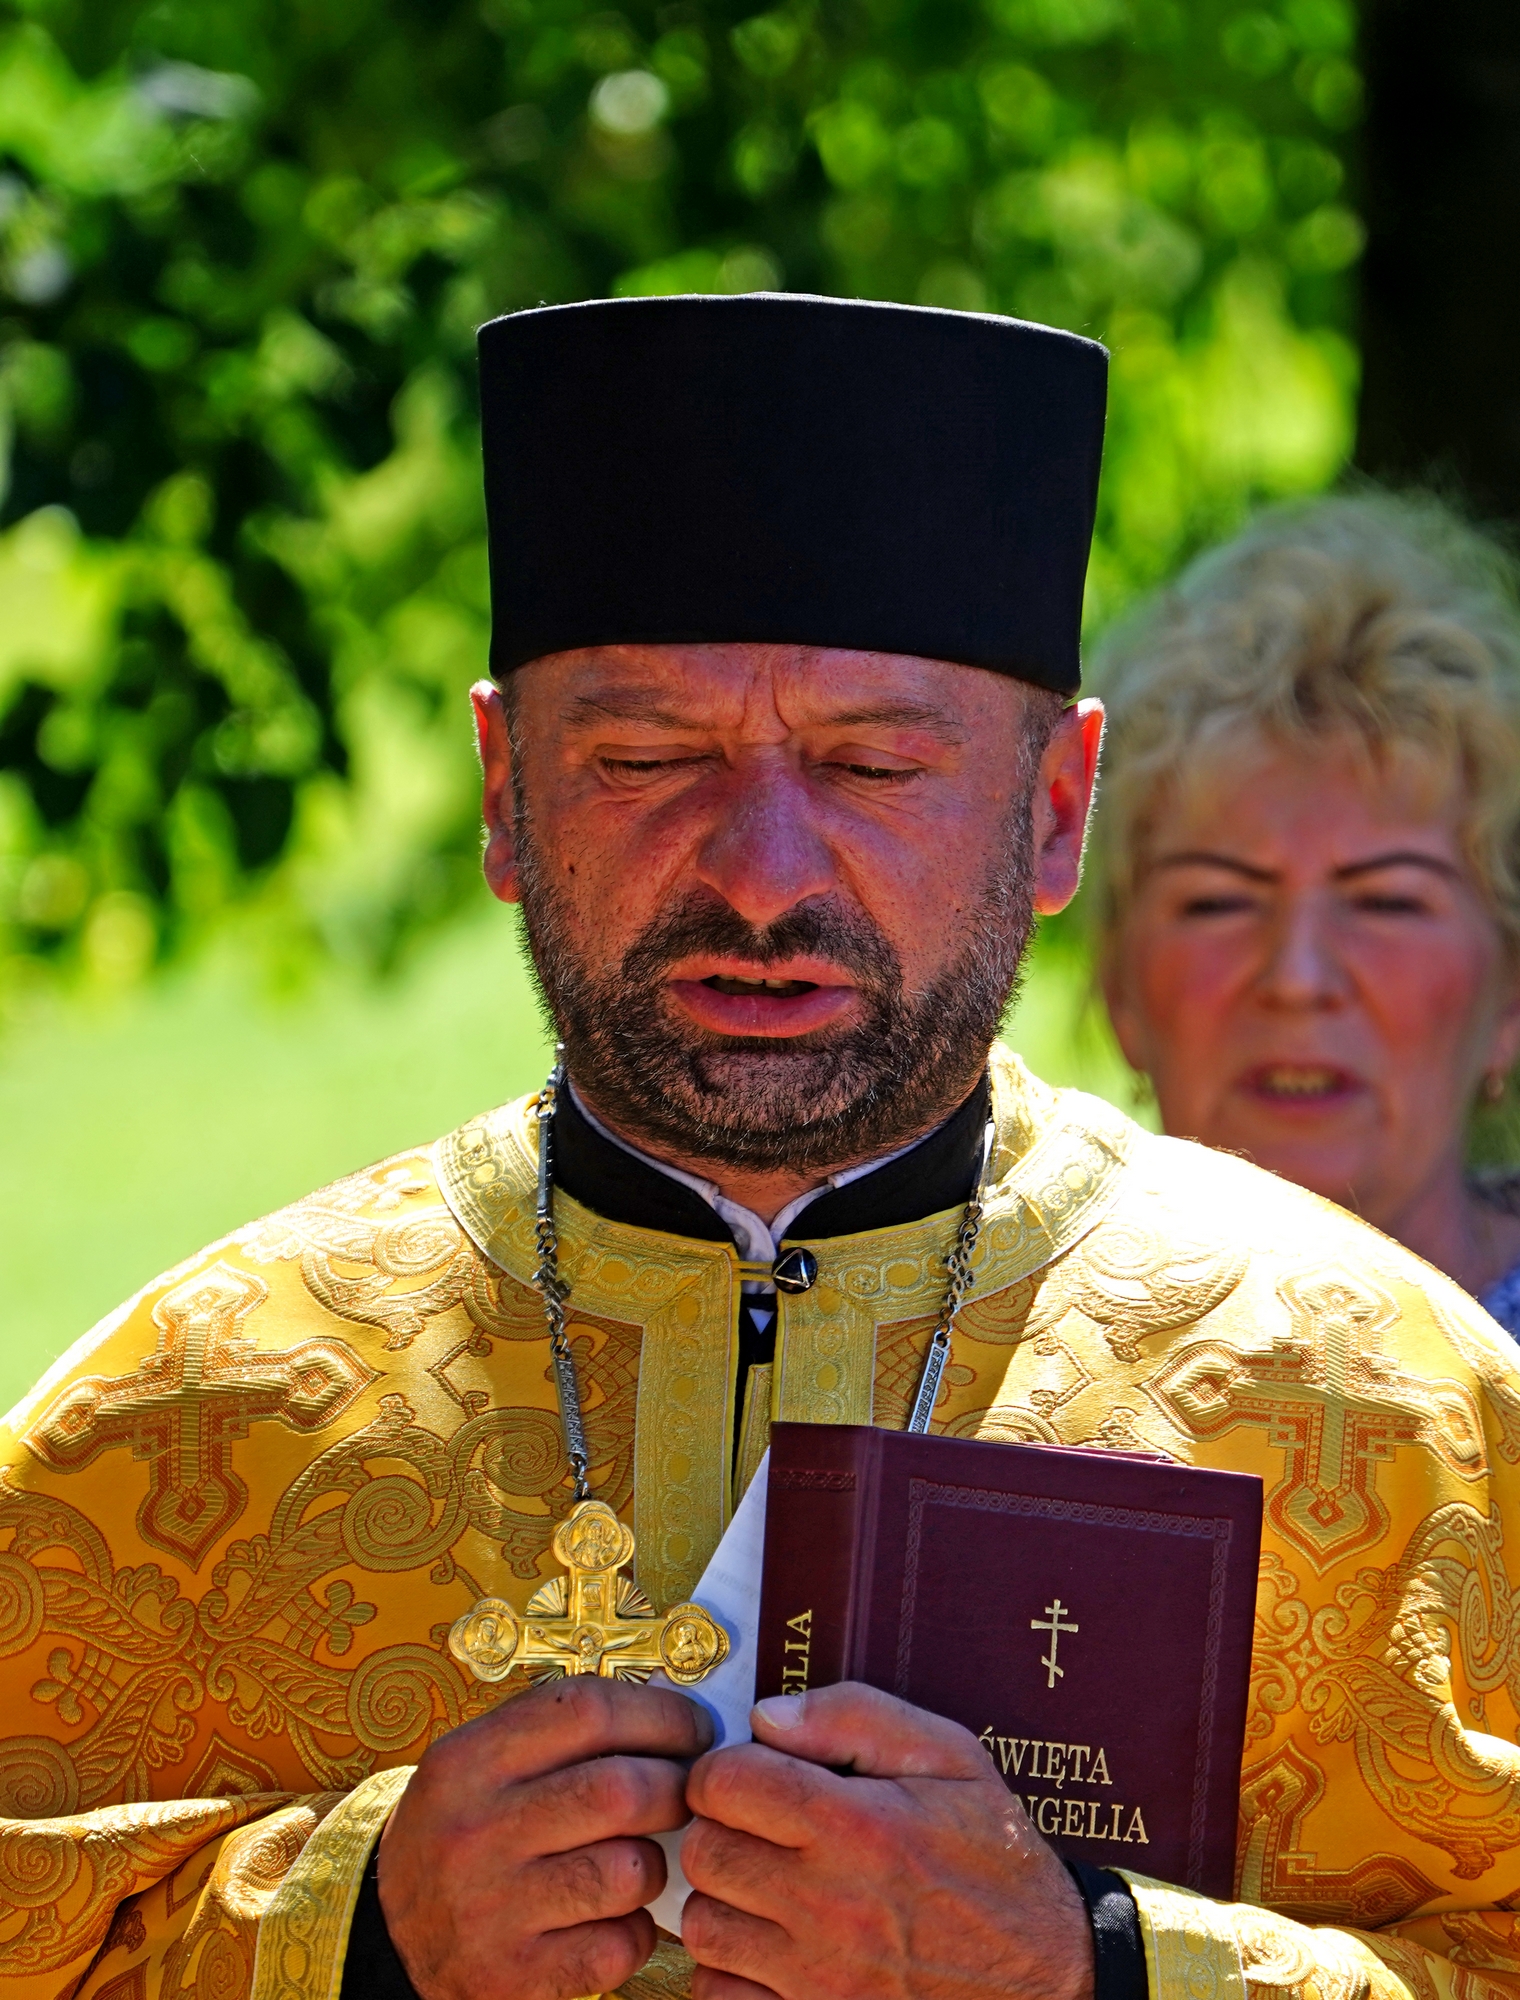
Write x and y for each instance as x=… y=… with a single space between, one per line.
x=1055 y=1762
x=1086 y=1819
x=1058 y=1764
x=794 y=1668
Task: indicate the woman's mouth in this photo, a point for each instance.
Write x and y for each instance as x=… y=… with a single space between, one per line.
x=1302 y=1086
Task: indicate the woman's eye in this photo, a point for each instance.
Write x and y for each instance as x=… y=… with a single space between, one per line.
x=1216 y=906
x=1391 y=906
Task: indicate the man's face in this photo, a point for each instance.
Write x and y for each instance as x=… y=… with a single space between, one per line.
x=777 y=896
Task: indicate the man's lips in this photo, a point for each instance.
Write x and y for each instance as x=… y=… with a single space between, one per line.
x=1301 y=1088
x=797 y=997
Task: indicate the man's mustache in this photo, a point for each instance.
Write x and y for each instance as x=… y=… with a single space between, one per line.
x=823 y=929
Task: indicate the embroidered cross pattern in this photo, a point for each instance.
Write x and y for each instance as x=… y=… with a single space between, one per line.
x=198 y=1392
x=1332 y=1402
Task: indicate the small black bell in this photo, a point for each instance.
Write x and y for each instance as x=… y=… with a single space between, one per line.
x=795 y=1270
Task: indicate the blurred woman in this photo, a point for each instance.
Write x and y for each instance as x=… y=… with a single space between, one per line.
x=1308 y=863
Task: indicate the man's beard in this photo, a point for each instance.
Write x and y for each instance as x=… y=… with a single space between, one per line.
x=801 y=1104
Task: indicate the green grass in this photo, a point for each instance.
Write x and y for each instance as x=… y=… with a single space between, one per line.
x=130 y=1137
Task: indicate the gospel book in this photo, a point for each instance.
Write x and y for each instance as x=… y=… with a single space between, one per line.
x=1086 y=1614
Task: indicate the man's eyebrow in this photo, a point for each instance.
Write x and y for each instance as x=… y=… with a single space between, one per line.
x=635 y=705
x=630 y=705
x=896 y=715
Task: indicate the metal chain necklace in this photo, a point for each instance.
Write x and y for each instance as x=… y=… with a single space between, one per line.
x=594 y=1619
x=961 y=1279
x=551 y=1287
x=553 y=1290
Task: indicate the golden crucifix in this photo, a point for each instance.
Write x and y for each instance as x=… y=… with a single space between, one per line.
x=592 y=1621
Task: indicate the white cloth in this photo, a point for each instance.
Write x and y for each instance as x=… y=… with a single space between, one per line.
x=730 y=1585
x=730 y=1590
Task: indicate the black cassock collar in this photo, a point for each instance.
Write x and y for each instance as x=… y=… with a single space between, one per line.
x=935 y=1174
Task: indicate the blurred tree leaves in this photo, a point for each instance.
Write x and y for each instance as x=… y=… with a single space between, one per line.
x=243 y=250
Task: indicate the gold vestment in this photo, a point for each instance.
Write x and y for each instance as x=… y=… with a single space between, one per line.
x=238 y=1520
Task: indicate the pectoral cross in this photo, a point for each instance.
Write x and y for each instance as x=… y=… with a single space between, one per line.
x=591 y=1621
x=1051 y=1623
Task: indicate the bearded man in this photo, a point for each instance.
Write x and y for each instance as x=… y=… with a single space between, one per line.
x=780 y=762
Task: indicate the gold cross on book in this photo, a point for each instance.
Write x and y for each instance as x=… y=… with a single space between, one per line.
x=1052 y=1624
x=592 y=1621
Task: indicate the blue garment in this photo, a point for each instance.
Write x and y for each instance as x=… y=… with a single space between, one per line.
x=1502 y=1301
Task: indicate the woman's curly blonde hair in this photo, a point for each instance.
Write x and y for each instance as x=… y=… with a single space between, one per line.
x=1383 y=616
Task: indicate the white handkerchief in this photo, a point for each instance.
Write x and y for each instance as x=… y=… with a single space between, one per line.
x=730 y=1589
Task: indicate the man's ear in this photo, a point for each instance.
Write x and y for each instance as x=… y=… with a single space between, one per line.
x=499 y=860
x=1062 y=799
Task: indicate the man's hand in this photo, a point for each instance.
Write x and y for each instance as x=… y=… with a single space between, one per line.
x=918 y=1877
x=513 y=1867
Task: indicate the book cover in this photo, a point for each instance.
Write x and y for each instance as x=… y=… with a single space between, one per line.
x=1086 y=1614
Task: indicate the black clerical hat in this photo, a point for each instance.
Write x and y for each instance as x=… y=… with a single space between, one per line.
x=823 y=472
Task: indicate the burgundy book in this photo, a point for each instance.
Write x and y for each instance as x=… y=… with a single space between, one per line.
x=1087 y=1614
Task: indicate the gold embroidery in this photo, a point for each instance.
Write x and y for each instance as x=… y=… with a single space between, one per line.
x=754 y=1428
x=385 y=1258
x=214 y=1955
x=304 y=1934
x=826 y=1343
x=1490 y=1355
x=686 y=1294
x=226 y=1771
x=201 y=1388
x=681 y=1485
x=667 y=1976
x=1332 y=1402
x=1411 y=1966
x=1278 y=1864
x=131 y=1985
x=313 y=1654
x=64 y=1878
x=1057 y=1170
x=1373 y=1668
x=1136 y=1279
x=1190 y=1945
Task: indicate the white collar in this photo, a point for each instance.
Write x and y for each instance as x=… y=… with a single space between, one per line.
x=759 y=1242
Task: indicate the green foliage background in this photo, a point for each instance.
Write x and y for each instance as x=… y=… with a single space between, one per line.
x=244 y=248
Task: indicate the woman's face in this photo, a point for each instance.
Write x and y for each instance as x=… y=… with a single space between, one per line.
x=1310 y=975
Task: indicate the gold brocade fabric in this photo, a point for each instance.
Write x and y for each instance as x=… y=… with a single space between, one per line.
x=238 y=1519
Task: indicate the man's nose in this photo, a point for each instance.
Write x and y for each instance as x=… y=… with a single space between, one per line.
x=763 y=852
x=1303 y=967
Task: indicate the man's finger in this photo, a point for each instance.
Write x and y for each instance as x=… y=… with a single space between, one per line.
x=707 y=1984
x=731 y=1941
x=766 y=1793
x=591 y=1958
x=597 y=1800
x=581 y=1716
x=609 y=1878
x=753 y=1875
x=875 y=1734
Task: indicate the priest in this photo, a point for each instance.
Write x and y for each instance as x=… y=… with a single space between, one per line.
x=781 y=762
